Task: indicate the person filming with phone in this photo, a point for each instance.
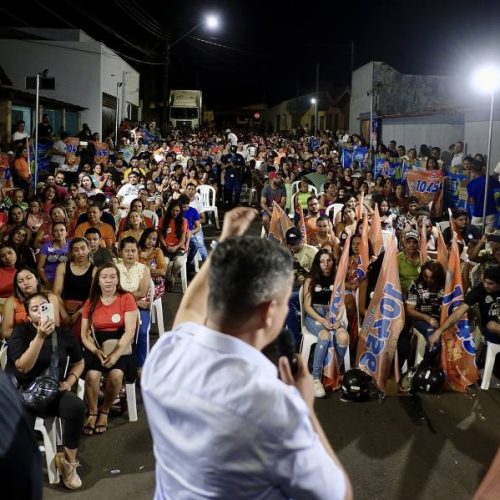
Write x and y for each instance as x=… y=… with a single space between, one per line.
x=223 y=424
x=37 y=353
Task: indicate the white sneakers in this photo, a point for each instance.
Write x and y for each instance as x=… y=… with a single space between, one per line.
x=67 y=469
x=319 y=390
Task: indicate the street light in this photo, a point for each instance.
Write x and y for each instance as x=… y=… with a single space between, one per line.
x=211 y=21
x=314 y=102
x=486 y=80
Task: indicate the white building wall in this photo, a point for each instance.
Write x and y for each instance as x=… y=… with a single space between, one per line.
x=476 y=139
x=414 y=131
x=82 y=71
x=362 y=80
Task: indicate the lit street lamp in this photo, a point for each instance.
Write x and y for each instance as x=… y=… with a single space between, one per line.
x=314 y=101
x=212 y=23
x=486 y=80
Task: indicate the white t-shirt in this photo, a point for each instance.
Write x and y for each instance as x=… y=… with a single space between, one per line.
x=19 y=136
x=129 y=193
x=59 y=159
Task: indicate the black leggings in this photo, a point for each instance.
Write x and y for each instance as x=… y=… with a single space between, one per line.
x=70 y=408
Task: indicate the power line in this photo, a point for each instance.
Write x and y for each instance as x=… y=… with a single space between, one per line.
x=136 y=15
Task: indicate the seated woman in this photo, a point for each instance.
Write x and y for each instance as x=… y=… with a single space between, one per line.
x=135 y=279
x=329 y=196
x=175 y=232
x=29 y=354
x=317 y=294
x=15 y=218
x=424 y=299
x=8 y=264
x=52 y=254
x=73 y=281
x=20 y=239
x=151 y=254
x=347 y=225
x=44 y=235
x=134 y=226
x=109 y=321
x=325 y=237
x=26 y=282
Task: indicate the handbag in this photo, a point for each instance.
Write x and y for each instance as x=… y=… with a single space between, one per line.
x=40 y=393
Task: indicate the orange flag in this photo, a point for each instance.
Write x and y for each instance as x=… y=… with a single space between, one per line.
x=359 y=208
x=375 y=235
x=331 y=371
x=423 y=244
x=280 y=223
x=301 y=224
x=442 y=251
x=383 y=322
x=364 y=255
x=458 y=352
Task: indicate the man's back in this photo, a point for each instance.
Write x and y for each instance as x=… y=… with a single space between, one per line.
x=224 y=426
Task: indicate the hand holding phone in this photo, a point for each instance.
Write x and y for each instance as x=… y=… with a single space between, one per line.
x=46 y=312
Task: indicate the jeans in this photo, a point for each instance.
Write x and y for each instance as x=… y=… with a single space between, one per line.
x=142 y=337
x=292 y=320
x=197 y=244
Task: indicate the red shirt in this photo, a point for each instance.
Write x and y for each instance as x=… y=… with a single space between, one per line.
x=109 y=318
x=7 y=281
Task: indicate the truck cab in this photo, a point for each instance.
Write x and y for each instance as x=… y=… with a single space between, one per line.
x=185 y=108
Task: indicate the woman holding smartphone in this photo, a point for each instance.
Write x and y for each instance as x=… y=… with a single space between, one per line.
x=29 y=354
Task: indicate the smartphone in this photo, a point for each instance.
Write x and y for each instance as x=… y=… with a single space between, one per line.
x=286 y=347
x=46 y=312
x=84 y=143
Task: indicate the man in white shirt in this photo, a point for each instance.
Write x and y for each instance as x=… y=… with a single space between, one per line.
x=129 y=191
x=223 y=424
x=231 y=137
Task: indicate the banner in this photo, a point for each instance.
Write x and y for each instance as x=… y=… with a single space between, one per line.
x=458 y=352
x=280 y=223
x=427 y=186
x=101 y=153
x=422 y=243
x=72 y=144
x=301 y=223
x=378 y=165
x=331 y=371
x=455 y=190
x=346 y=159
x=383 y=322
x=364 y=253
x=359 y=154
x=442 y=251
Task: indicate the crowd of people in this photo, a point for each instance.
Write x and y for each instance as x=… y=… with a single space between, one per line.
x=101 y=241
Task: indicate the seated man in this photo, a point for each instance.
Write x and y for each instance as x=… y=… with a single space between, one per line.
x=106 y=231
x=259 y=438
x=196 y=240
x=487 y=296
x=303 y=256
x=465 y=231
x=99 y=254
x=274 y=192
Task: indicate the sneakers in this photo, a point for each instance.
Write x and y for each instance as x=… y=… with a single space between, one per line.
x=70 y=477
x=319 y=390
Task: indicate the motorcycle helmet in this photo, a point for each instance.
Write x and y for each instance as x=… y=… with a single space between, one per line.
x=356 y=386
x=428 y=378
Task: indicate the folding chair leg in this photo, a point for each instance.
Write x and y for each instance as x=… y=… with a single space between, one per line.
x=131 y=402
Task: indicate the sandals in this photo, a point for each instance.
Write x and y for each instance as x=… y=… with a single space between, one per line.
x=101 y=428
x=88 y=430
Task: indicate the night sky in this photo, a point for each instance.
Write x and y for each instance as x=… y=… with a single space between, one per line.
x=266 y=51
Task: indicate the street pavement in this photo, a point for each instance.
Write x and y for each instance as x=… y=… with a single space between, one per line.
x=427 y=447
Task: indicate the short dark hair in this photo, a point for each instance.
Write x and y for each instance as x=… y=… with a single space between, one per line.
x=458 y=212
x=183 y=199
x=246 y=271
x=29 y=298
x=93 y=230
x=476 y=166
x=492 y=272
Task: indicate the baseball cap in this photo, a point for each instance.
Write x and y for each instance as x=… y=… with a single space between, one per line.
x=412 y=199
x=293 y=236
x=272 y=175
x=227 y=131
x=411 y=234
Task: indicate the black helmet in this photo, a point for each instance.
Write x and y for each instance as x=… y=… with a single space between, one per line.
x=428 y=378
x=356 y=386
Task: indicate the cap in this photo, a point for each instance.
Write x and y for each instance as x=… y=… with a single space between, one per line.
x=11 y=152
x=411 y=234
x=227 y=131
x=293 y=236
x=412 y=199
x=272 y=175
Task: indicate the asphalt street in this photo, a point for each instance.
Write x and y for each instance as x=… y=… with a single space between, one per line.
x=432 y=446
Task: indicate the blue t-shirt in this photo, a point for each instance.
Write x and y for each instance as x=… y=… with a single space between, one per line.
x=475 y=190
x=191 y=215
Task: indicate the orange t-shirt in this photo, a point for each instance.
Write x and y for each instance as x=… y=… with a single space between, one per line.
x=311 y=230
x=109 y=318
x=7 y=281
x=106 y=230
x=170 y=238
x=22 y=168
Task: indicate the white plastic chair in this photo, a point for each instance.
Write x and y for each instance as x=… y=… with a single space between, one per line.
x=421 y=343
x=3 y=355
x=48 y=428
x=207 y=200
x=491 y=352
x=308 y=339
x=130 y=386
x=336 y=207
x=157 y=315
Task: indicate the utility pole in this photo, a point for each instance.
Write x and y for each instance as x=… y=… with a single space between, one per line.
x=165 y=87
x=317 y=100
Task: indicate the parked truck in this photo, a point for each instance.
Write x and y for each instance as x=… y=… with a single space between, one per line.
x=185 y=108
